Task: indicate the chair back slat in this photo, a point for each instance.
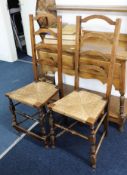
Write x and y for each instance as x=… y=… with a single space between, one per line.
x=96 y=61
x=46 y=31
x=101 y=36
x=42 y=46
x=95 y=53
x=37 y=48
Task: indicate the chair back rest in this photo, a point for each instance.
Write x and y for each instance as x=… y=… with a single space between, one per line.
x=96 y=62
x=37 y=47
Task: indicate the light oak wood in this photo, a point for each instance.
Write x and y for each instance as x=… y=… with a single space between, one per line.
x=33 y=48
x=91 y=8
x=105 y=18
x=60 y=77
x=113 y=57
x=50 y=32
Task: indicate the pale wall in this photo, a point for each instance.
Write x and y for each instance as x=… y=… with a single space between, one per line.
x=7 y=44
x=27 y=8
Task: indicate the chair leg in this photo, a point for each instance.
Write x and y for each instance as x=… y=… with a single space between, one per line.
x=60 y=93
x=122 y=114
x=106 y=120
x=93 y=147
x=42 y=121
x=12 y=109
x=122 y=122
x=106 y=124
x=64 y=120
x=52 y=133
x=44 y=110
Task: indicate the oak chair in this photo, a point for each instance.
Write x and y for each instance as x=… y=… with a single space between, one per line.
x=85 y=106
x=38 y=93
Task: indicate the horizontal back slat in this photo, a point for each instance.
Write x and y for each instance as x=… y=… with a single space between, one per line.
x=46 y=31
x=95 y=54
x=101 y=36
x=122 y=37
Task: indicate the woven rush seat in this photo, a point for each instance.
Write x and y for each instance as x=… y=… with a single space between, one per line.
x=81 y=105
x=35 y=94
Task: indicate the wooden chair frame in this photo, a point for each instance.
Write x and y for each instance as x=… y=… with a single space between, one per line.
x=102 y=118
x=42 y=111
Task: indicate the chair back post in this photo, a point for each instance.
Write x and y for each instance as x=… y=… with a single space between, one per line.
x=59 y=55
x=77 y=51
x=113 y=57
x=32 y=34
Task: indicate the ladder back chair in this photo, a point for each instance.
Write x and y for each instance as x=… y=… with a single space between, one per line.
x=38 y=93
x=87 y=107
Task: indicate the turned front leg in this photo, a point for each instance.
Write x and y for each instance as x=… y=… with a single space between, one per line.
x=122 y=114
x=43 y=131
x=52 y=133
x=93 y=147
x=122 y=93
x=106 y=120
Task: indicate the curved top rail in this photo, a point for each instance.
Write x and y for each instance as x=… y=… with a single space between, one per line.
x=105 y=18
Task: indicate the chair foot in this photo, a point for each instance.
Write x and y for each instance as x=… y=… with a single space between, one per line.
x=53 y=146
x=46 y=146
x=46 y=143
x=121 y=128
x=93 y=161
x=52 y=141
